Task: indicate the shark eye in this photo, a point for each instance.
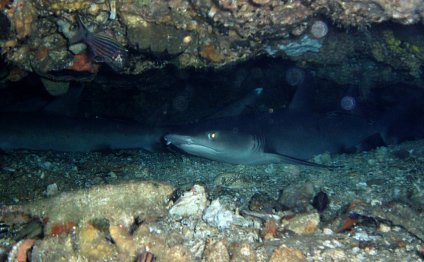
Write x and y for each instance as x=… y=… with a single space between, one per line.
x=212 y=135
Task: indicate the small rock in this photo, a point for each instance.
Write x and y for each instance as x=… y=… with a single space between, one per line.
x=384 y=228
x=93 y=244
x=361 y=185
x=217 y=215
x=243 y=252
x=118 y=203
x=123 y=240
x=221 y=213
x=270 y=169
x=262 y=202
x=197 y=249
x=112 y=175
x=297 y=197
x=376 y=202
x=217 y=252
x=270 y=230
x=327 y=231
x=190 y=204
x=334 y=255
x=77 y=48
x=52 y=190
x=178 y=253
x=287 y=254
x=302 y=224
x=46 y=165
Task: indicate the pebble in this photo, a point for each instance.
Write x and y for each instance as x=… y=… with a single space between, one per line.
x=52 y=190
x=41 y=175
x=376 y=202
x=217 y=252
x=384 y=228
x=287 y=254
x=262 y=202
x=112 y=175
x=356 y=250
x=297 y=197
x=303 y=224
x=46 y=165
x=218 y=216
x=77 y=48
x=361 y=185
x=243 y=252
x=334 y=255
x=327 y=231
x=270 y=169
x=190 y=204
x=362 y=236
x=372 y=252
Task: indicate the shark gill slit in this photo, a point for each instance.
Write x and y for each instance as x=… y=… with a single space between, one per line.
x=258 y=142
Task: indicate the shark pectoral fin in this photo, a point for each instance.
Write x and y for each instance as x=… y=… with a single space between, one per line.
x=297 y=161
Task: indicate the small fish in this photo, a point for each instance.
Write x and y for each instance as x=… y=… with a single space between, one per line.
x=103 y=47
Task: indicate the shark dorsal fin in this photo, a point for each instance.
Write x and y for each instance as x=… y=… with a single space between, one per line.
x=303 y=97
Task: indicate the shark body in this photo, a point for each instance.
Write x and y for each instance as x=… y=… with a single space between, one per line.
x=60 y=133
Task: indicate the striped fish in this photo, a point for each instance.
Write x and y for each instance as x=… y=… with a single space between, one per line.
x=103 y=47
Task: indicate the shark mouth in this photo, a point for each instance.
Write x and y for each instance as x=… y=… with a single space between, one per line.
x=196 y=148
x=187 y=144
x=177 y=140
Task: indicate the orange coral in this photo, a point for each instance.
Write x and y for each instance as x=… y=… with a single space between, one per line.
x=58 y=229
x=22 y=15
x=42 y=53
x=355 y=203
x=22 y=252
x=421 y=251
x=3 y=3
x=16 y=74
x=348 y=224
x=271 y=229
x=83 y=64
x=209 y=52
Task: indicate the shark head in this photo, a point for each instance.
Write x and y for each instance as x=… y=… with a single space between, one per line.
x=224 y=146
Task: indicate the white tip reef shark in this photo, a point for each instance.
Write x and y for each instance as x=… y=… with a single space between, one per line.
x=292 y=137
